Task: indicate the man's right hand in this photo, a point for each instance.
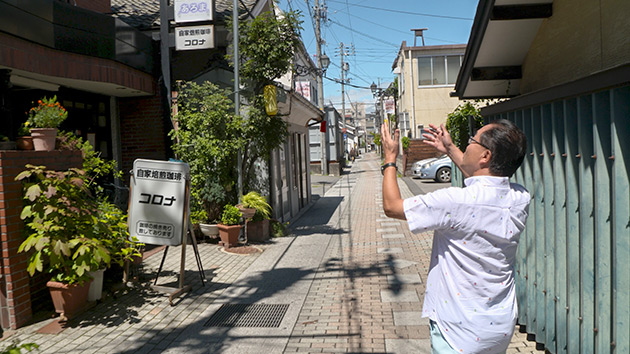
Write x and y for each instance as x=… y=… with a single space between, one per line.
x=439 y=138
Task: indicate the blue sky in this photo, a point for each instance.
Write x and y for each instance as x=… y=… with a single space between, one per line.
x=376 y=30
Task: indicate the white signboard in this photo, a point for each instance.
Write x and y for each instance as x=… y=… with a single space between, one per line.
x=192 y=10
x=194 y=37
x=304 y=89
x=389 y=106
x=158 y=201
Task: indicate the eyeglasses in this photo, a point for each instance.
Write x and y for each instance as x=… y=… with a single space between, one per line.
x=472 y=140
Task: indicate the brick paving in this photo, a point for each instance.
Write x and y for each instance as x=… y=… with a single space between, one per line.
x=366 y=296
x=358 y=290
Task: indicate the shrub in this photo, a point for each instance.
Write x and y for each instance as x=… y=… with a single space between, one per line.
x=231 y=215
x=405 y=143
x=279 y=229
x=457 y=123
x=258 y=202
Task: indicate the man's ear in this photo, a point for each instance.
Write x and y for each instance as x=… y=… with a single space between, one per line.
x=484 y=159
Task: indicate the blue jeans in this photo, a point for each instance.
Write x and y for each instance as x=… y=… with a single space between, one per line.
x=439 y=345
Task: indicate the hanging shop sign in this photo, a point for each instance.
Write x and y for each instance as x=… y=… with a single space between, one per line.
x=159 y=201
x=304 y=89
x=271 y=100
x=193 y=10
x=194 y=37
x=390 y=106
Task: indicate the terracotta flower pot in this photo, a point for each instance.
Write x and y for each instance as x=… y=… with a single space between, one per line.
x=229 y=235
x=248 y=213
x=69 y=299
x=24 y=142
x=44 y=139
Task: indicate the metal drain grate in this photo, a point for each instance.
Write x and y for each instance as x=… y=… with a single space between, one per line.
x=248 y=315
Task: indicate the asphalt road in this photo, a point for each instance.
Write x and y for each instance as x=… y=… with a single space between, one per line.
x=423 y=186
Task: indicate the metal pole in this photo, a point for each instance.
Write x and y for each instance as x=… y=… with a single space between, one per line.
x=343 y=102
x=237 y=94
x=165 y=51
x=320 y=87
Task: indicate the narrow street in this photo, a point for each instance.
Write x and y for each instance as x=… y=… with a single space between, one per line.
x=347 y=280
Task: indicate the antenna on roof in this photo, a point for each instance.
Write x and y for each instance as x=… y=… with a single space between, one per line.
x=417 y=32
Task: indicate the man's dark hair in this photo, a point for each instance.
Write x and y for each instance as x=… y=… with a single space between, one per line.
x=508 y=145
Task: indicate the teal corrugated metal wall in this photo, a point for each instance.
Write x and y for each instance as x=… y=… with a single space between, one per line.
x=573 y=268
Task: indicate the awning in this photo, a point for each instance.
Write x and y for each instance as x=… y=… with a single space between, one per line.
x=499 y=40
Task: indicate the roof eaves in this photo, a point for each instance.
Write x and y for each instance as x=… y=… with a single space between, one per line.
x=403 y=46
x=480 y=24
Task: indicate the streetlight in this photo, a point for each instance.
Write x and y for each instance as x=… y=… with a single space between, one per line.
x=325 y=60
x=373 y=88
x=378 y=92
x=303 y=70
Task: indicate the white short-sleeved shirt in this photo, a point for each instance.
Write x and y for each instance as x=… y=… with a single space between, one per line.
x=470 y=287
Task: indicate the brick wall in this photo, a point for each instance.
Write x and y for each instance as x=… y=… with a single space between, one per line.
x=101 y=6
x=23 y=55
x=143 y=131
x=15 y=287
x=419 y=151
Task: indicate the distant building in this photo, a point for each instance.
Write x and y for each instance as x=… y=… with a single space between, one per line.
x=426 y=77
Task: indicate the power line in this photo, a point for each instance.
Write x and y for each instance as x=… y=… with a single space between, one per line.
x=350 y=23
x=365 y=35
x=395 y=29
x=348 y=84
x=409 y=12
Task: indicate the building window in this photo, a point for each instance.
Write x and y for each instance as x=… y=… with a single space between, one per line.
x=438 y=70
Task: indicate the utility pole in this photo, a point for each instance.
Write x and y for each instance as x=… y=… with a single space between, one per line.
x=319 y=13
x=343 y=100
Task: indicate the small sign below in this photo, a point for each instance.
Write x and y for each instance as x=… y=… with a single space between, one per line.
x=194 y=37
x=193 y=10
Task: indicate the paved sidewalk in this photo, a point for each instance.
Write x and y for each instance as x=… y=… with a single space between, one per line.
x=348 y=280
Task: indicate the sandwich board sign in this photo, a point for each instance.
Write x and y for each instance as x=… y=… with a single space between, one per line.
x=159 y=201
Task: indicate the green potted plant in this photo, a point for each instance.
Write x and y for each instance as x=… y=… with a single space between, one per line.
x=43 y=120
x=258 y=225
x=62 y=229
x=122 y=248
x=72 y=230
x=230 y=227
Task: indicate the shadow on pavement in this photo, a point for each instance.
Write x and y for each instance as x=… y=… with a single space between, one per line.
x=196 y=337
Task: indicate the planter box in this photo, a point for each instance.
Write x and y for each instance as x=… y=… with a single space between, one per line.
x=258 y=231
x=7 y=145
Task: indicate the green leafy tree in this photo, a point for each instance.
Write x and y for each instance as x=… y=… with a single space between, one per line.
x=267 y=45
x=208 y=137
x=377 y=138
x=457 y=123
